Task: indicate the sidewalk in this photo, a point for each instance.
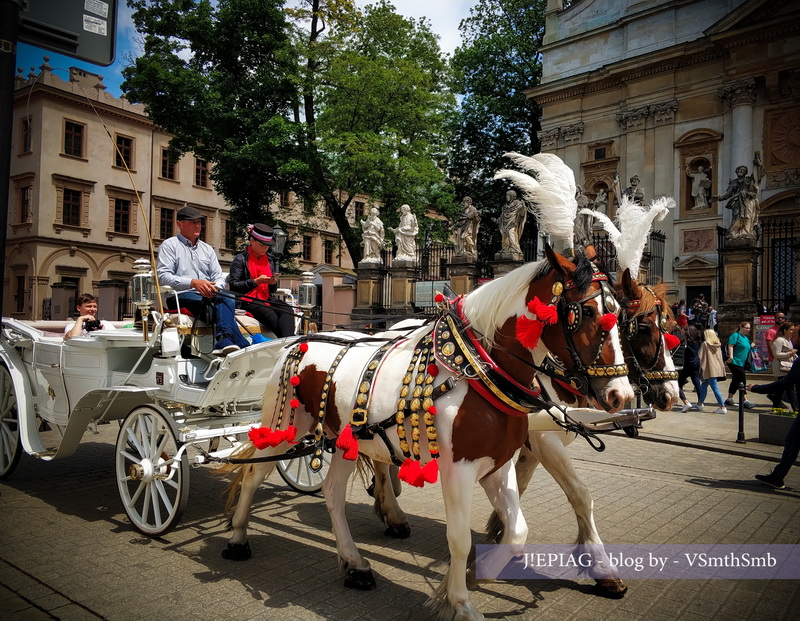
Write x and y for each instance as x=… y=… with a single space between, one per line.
x=714 y=432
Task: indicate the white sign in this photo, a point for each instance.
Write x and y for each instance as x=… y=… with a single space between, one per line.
x=97 y=26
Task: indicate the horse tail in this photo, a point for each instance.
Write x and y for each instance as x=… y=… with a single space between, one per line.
x=495 y=528
x=240 y=470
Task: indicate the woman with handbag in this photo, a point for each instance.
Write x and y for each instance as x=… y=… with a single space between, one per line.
x=739 y=348
x=783 y=354
x=712 y=368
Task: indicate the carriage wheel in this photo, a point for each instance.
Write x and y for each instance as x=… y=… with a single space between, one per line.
x=631 y=432
x=10 y=445
x=298 y=474
x=153 y=486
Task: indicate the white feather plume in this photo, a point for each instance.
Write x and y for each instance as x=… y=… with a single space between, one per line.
x=550 y=195
x=636 y=221
x=614 y=233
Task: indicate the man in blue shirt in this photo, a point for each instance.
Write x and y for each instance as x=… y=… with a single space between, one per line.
x=190 y=266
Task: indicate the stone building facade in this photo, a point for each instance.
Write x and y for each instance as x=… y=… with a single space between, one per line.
x=679 y=94
x=75 y=224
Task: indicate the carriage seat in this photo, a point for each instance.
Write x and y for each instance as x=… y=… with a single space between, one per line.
x=184 y=320
x=54 y=329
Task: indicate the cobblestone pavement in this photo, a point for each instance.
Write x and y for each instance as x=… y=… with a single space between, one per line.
x=67 y=551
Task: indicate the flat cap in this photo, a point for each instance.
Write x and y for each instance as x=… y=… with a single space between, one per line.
x=189 y=213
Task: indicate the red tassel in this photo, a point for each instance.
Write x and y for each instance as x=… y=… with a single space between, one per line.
x=432 y=370
x=671 y=341
x=529 y=331
x=608 y=321
x=348 y=444
x=439 y=298
x=263 y=437
x=294 y=380
x=432 y=410
x=430 y=471
x=294 y=404
x=411 y=473
x=546 y=313
x=290 y=434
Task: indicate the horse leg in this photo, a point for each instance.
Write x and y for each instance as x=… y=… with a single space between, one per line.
x=253 y=476
x=358 y=574
x=549 y=449
x=386 y=506
x=524 y=468
x=451 y=598
x=501 y=490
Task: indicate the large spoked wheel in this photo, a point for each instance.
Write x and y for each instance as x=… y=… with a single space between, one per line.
x=298 y=474
x=10 y=446
x=153 y=485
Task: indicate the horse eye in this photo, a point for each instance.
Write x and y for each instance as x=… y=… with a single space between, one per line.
x=588 y=311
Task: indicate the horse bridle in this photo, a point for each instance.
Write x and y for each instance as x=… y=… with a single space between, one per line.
x=629 y=326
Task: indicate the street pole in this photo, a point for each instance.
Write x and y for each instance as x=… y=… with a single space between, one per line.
x=740 y=436
x=9 y=25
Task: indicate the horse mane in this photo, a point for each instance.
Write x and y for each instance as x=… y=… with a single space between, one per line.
x=490 y=305
x=649 y=300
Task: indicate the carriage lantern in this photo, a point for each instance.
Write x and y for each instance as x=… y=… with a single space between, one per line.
x=142 y=290
x=307 y=297
x=280 y=239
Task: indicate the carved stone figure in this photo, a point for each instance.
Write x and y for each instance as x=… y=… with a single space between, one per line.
x=583 y=223
x=634 y=192
x=743 y=194
x=405 y=235
x=511 y=222
x=372 y=237
x=700 y=186
x=601 y=201
x=466 y=229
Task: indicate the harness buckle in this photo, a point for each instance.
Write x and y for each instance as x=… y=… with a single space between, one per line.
x=358 y=417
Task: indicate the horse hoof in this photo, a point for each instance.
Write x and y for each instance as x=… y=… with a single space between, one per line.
x=398 y=531
x=612 y=588
x=237 y=551
x=359 y=580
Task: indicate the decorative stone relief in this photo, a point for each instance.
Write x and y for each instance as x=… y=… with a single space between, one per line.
x=633 y=119
x=549 y=138
x=783 y=178
x=664 y=114
x=698 y=240
x=572 y=133
x=790 y=85
x=740 y=92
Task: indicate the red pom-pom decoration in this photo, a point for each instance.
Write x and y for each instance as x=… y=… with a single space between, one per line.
x=671 y=341
x=303 y=347
x=263 y=437
x=439 y=298
x=432 y=370
x=430 y=471
x=295 y=380
x=294 y=404
x=544 y=312
x=608 y=321
x=432 y=410
x=411 y=473
x=348 y=444
x=290 y=434
x=529 y=331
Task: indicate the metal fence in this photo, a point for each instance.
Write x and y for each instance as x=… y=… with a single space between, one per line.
x=654 y=251
x=777 y=273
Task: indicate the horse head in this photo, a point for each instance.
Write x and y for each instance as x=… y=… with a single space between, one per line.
x=645 y=322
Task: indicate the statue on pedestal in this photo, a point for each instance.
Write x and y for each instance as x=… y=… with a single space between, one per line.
x=584 y=223
x=372 y=237
x=700 y=186
x=405 y=235
x=601 y=201
x=511 y=223
x=634 y=192
x=466 y=229
x=743 y=194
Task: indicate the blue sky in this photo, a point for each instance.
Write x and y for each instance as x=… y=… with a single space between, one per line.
x=444 y=16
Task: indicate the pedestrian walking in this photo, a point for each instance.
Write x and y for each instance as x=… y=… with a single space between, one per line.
x=783 y=355
x=691 y=366
x=712 y=369
x=739 y=347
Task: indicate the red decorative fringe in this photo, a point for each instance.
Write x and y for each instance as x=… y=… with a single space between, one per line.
x=263 y=437
x=430 y=471
x=414 y=474
x=529 y=331
x=671 y=340
x=546 y=313
x=348 y=444
x=608 y=321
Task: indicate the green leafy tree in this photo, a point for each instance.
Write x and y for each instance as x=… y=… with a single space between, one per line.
x=498 y=59
x=329 y=104
x=218 y=76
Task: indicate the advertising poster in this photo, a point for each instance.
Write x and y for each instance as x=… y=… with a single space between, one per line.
x=761 y=326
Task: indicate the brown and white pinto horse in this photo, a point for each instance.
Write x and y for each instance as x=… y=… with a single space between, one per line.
x=475 y=434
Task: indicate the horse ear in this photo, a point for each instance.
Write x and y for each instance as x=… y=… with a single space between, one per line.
x=559 y=263
x=628 y=286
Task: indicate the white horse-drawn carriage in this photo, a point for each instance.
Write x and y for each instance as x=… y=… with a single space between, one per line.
x=53 y=390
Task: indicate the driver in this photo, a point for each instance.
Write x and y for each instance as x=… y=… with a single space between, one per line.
x=87 y=322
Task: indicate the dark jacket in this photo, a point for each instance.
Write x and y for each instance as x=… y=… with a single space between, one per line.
x=792 y=377
x=239 y=279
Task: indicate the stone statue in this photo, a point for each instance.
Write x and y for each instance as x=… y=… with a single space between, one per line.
x=601 y=201
x=634 y=192
x=405 y=235
x=700 y=186
x=582 y=229
x=466 y=229
x=372 y=237
x=511 y=222
x=743 y=203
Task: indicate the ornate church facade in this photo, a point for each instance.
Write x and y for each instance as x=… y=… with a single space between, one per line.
x=680 y=94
